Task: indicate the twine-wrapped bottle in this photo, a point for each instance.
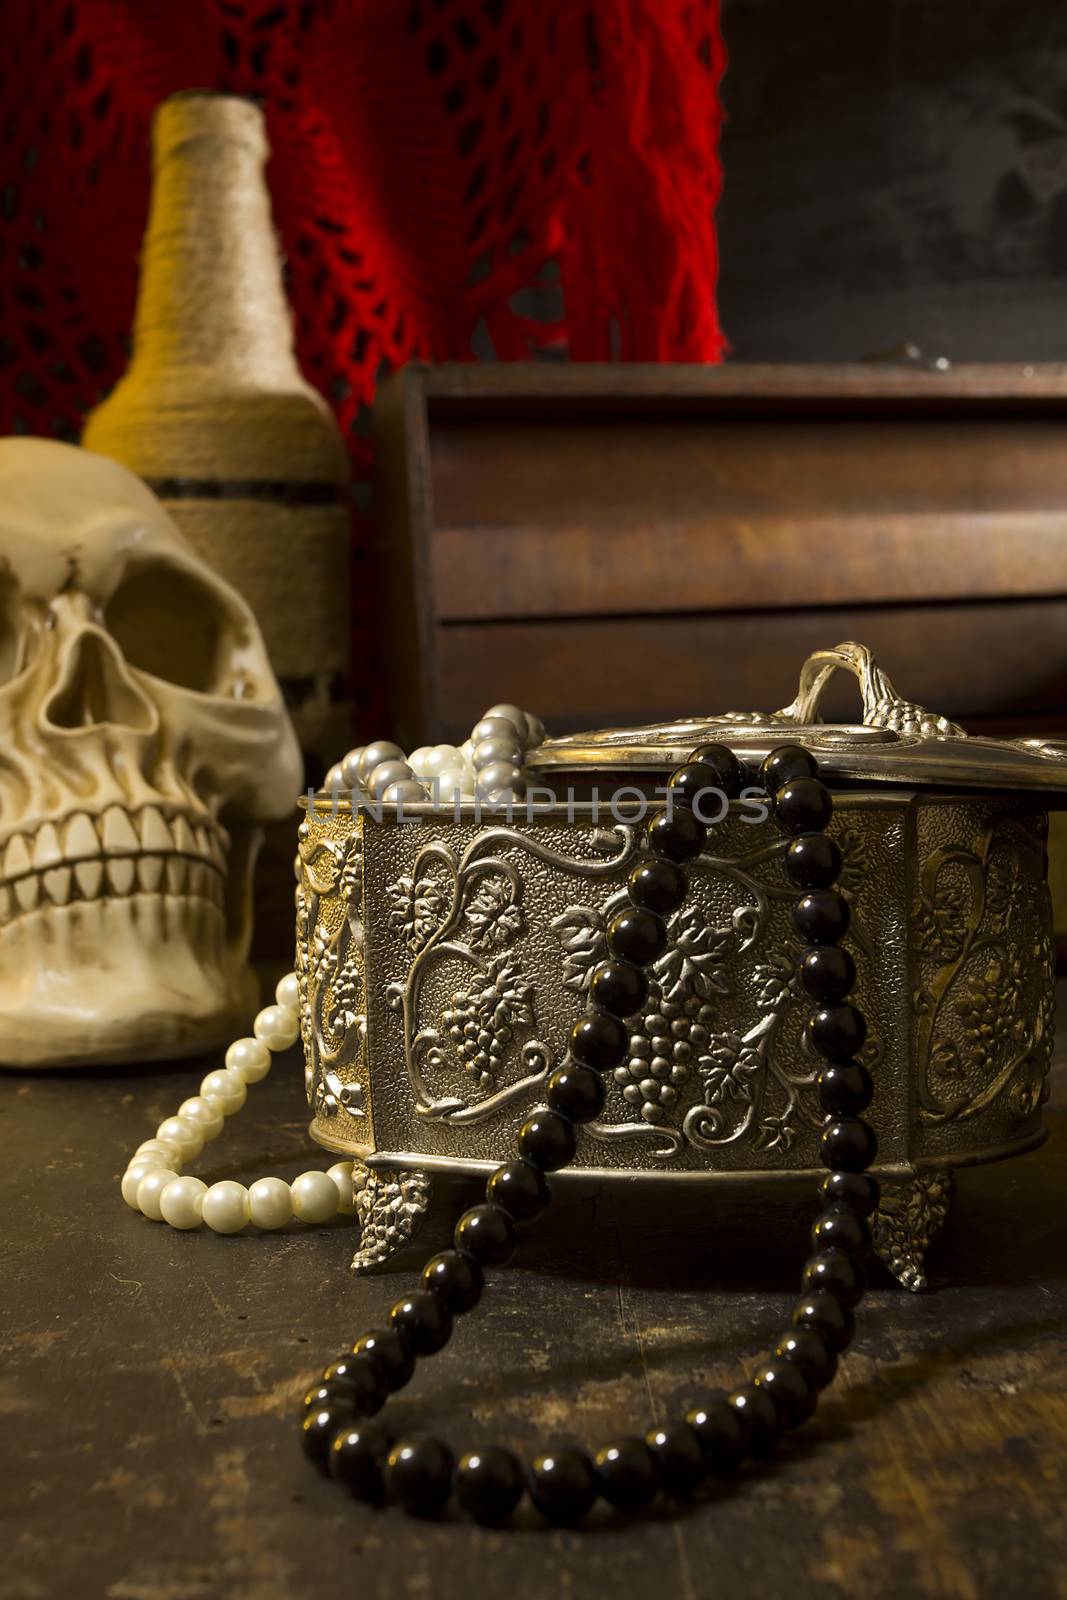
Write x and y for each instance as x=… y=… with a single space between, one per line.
x=214 y=413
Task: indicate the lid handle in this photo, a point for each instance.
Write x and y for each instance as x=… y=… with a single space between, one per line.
x=882 y=706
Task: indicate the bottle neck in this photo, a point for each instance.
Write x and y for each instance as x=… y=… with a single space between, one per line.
x=211 y=292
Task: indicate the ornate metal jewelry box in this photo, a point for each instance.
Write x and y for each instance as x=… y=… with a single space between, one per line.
x=443 y=957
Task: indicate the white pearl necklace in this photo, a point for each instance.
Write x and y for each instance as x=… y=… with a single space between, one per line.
x=153 y=1184
x=488 y=766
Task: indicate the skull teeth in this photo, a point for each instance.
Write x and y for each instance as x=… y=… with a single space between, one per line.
x=89 y=875
x=115 y=854
x=150 y=873
x=81 y=838
x=17 y=858
x=121 y=875
x=28 y=892
x=57 y=885
x=155 y=834
x=177 y=869
x=184 y=838
x=46 y=850
x=117 y=833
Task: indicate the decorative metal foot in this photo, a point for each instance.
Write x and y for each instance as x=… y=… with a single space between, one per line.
x=390 y=1207
x=910 y=1215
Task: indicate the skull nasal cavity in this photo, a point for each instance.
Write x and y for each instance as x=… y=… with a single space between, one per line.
x=96 y=689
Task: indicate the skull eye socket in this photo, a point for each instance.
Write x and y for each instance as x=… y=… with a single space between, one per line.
x=170 y=624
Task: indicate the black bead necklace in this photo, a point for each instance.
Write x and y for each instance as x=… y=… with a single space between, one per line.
x=419 y=1473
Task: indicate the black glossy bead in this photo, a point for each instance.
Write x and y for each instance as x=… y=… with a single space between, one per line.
x=811 y=1353
x=360 y=1374
x=625 y=1474
x=827 y=972
x=385 y=1348
x=357 y=1459
x=786 y=762
x=678 y=1457
x=548 y=1140
x=487 y=1233
x=489 y=1483
x=419 y=1474
x=337 y=1372
x=803 y=805
x=821 y=916
x=728 y=773
x=720 y=1432
x=857 y=1190
x=318 y=1428
x=831 y=1320
x=677 y=838
x=423 y=1321
x=576 y=1092
x=694 y=782
x=834 y=1272
x=789 y=1389
x=847 y=1144
x=845 y=1087
x=562 y=1485
x=658 y=886
x=637 y=935
x=599 y=1040
x=520 y=1189
x=841 y=1229
x=331 y=1392
x=619 y=987
x=761 y=1417
x=813 y=861
x=838 y=1031
x=457 y=1277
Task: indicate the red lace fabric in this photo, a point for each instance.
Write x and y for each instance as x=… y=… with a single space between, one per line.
x=432 y=159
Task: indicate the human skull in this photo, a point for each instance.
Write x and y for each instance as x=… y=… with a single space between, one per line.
x=143 y=741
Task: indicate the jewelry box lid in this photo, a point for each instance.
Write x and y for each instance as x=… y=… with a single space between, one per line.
x=898 y=742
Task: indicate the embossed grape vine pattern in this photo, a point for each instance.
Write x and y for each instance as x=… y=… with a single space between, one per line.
x=983 y=1009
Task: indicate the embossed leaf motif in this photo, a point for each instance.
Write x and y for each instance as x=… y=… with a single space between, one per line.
x=939 y=923
x=351 y=885
x=580 y=931
x=494 y=919
x=854 y=861
x=776 y=980
x=694 y=963
x=730 y=1064
x=776 y=1133
x=416 y=910
x=321 y=861
x=1001 y=884
x=481 y=1022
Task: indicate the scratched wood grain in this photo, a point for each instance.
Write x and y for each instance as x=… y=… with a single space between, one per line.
x=149 y=1381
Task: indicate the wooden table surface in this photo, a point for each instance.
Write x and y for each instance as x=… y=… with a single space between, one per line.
x=150 y=1384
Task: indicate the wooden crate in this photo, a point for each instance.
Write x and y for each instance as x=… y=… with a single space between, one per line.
x=614 y=543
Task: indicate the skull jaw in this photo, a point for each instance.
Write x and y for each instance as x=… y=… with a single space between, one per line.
x=120 y=980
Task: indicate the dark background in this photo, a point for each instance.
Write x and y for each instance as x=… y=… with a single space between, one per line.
x=895 y=171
